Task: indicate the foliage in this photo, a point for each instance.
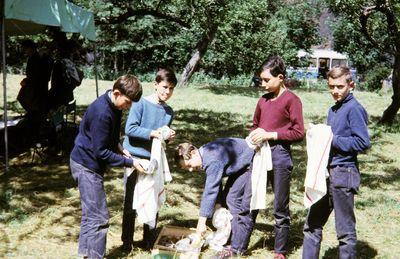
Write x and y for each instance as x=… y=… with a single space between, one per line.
x=255 y=30
x=374 y=77
x=141 y=36
x=349 y=37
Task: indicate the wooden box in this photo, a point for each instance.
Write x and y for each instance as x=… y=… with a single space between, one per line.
x=160 y=251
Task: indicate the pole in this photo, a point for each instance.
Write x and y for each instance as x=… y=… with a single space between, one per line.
x=95 y=71
x=3 y=51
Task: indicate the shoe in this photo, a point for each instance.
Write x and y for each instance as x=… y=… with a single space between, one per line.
x=279 y=256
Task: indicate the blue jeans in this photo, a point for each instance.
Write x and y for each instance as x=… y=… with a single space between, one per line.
x=238 y=198
x=94 y=222
x=342 y=184
x=279 y=177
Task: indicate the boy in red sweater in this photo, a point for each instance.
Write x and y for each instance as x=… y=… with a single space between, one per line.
x=278 y=119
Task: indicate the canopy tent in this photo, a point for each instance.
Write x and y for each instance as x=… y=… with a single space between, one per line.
x=26 y=17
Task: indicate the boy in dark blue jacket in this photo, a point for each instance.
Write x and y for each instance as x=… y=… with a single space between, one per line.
x=224 y=157
x=348 y=120
x=96 y=147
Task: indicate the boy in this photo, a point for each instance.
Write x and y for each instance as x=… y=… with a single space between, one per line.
x=144 y=121
x=348 y=120
x=97 y=146
x=278 y=119
x=223 y=157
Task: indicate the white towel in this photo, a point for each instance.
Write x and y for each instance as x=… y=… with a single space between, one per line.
x=319 y=139
x=149 y=193
x=262 y=163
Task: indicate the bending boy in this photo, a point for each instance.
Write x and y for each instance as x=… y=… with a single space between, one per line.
x=348 y=120
x=224 y=157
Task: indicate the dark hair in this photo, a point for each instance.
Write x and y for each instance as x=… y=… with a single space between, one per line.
x=28 y=44
x=182 y=151
x=130 y=86
x=166 y=74
x=275 y=65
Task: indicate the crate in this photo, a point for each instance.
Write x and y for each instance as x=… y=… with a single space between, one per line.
x=163 y=252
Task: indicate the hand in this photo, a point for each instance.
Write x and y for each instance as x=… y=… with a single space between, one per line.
x=137 y=166
x=172 y=135
x=201 y=226
x=126 y=153
x=259 y=135
x=155 y=134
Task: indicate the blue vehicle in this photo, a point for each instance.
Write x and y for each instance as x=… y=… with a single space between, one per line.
x=316 y=63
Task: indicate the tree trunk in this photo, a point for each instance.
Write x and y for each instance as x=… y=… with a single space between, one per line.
x=390 y=113
x=198 y=54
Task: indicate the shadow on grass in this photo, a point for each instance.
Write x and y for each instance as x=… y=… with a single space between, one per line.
x=364 y=250
x=235 y=90
x=47 y=185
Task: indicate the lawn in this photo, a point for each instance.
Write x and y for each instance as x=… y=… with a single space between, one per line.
x=39 y=202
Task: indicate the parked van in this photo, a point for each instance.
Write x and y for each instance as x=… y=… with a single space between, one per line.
x=316 y=63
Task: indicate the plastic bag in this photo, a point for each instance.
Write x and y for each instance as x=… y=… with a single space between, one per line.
x=222 y=222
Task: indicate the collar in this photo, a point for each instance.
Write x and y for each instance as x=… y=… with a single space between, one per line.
x=109 y=99
x=201 y=151
x=339 y=104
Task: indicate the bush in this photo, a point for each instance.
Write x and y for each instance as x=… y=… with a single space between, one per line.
x=374 y=77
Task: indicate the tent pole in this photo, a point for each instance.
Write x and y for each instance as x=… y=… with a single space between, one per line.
x=3 y=52
x=95 y=71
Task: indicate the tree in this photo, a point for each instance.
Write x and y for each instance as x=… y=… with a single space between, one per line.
x=220 y=37
x=374 y=29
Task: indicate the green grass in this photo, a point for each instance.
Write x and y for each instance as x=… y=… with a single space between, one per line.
x=40 y=209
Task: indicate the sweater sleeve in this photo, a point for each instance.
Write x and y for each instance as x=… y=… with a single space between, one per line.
x=101 y=129
x=296 y=130
x=359 y=139
x=133 y=126
x=214 y=174
x=256 y=116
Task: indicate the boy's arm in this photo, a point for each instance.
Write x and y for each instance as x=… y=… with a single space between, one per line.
x=359 y=139
x=100 y=129
x=133 y=126
x=256 y=116
x=296 y=131
x=214 y=174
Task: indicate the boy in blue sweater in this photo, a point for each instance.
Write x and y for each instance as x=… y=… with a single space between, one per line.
x=224 y=157
x=348 y=120
x=143 y=124
x=96 y=147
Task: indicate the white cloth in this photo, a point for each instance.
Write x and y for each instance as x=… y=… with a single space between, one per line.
x=262 y=163
x=149 y=193
x=319 y=139
x=222 y=222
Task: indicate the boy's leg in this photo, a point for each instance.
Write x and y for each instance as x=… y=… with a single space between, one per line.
x=316 y=219
x=238 y=201
x=94 y=206
x=76 y=171
x=345 y=183
x=282 y=168
x=149 y=235
x=129 y=214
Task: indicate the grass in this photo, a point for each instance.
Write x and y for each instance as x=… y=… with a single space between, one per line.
x=39 y=202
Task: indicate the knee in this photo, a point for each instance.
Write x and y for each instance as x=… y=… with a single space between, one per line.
x=349 y=238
